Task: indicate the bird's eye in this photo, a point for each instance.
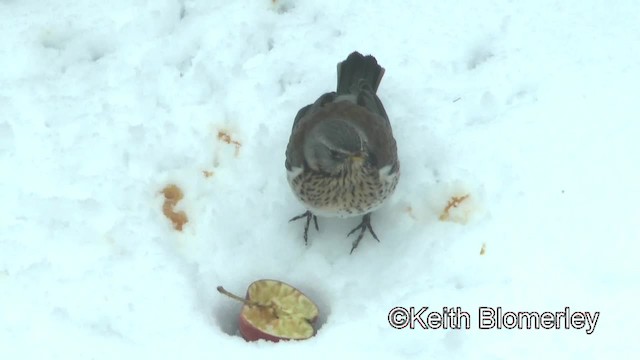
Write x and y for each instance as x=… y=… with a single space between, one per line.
x=336 y=155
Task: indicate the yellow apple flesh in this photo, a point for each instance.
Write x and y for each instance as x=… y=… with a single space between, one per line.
x=277 y=311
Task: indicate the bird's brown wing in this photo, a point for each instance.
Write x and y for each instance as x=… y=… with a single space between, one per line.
x=301 y=124
x=374 y=126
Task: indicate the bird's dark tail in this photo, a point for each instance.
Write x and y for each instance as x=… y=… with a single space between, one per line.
x=356 y=67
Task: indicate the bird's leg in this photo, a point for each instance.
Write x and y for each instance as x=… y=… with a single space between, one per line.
x=308 y=215
x=364 y=226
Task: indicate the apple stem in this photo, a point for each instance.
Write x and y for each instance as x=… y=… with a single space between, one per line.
x=223 y=291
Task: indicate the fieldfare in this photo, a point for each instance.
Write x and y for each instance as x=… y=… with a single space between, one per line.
x=341 y=158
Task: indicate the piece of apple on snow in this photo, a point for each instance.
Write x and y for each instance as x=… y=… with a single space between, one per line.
x=275 y=311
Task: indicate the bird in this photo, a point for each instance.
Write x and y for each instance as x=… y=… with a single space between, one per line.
x=341 y=158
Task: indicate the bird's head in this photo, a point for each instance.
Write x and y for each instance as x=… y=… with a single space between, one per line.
x=336 y=147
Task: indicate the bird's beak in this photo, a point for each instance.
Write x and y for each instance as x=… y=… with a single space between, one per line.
x=357 y=158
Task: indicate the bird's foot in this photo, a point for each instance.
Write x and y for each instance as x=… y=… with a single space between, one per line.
x=308 y=215
x=364 y=226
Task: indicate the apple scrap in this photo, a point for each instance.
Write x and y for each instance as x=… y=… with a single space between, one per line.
x=454 y=202
x=275 y=311
x=225 y=137
x=173 y=194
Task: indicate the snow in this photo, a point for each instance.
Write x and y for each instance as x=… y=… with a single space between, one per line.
x=530 y=107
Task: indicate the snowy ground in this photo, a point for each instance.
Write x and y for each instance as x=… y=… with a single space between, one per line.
x=530 y=107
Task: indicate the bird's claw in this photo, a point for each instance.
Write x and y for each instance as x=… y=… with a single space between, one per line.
x=307 y=214
x=363 y=226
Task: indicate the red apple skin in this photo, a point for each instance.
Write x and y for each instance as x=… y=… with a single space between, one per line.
x=251 y=333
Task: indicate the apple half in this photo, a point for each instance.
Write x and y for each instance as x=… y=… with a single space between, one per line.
x=275 y=311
